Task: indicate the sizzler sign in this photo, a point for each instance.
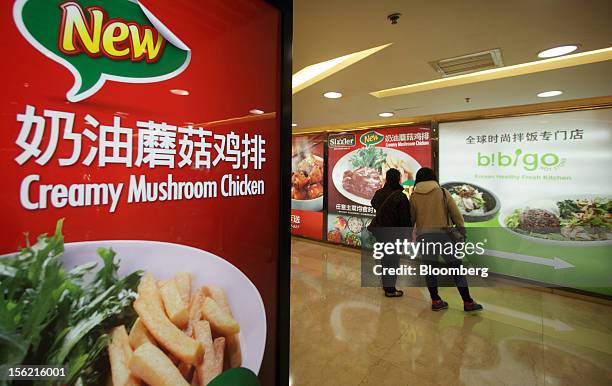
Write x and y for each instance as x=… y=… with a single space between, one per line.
x=342 y=140
x=121 y=41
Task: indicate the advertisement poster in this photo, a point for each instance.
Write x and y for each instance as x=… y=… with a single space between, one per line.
x=308 y=185
x=539 y=189
x=127 y=140
x=358 y=162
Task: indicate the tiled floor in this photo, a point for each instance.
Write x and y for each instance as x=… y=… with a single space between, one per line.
x=342 y=334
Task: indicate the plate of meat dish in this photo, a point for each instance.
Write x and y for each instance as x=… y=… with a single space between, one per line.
x=574 y=220
x=360 y=173
x=307 y=183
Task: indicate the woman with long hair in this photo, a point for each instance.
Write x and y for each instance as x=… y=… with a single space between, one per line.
x=431 y=209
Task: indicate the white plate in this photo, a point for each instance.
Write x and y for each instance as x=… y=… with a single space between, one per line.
x=164 y=260
x=315 y=205
x=344 y=164
x=534 y=204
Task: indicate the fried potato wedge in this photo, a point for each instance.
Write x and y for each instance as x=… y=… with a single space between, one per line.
x=221 y=322
x=207 y=370
x=186 y=370
x=233 y=355
x=161 y=283
x=219 y=346
x=183 y=283
x=175 y=307
x=120 y=353
x=149 y=308
x=218 y=295
x=195 y=310
x=150 y=364
x=195 y=381
x=140 y=335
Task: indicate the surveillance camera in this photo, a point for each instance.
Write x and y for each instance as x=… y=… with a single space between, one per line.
x=394 y=17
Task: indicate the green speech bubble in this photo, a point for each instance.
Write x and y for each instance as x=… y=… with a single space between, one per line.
x=39 y=21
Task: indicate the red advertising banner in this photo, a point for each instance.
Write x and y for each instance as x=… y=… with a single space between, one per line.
x=307 y=224
x=308 y=185
x=130 y=120
x=358 y=162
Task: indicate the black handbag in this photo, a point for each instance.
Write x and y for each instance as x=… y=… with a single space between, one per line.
x=453 y=232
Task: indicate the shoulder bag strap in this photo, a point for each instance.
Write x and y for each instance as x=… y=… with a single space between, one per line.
x=449 y=221
x=387 y=200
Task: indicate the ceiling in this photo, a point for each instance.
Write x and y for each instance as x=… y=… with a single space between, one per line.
x=428 y=31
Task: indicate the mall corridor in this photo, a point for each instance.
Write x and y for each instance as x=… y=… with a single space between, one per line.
x=342 y=334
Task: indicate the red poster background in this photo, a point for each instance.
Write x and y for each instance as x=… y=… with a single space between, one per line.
x=307 y=224
x=234 y=68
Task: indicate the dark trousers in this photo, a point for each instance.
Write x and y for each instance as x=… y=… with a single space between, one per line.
x=388 y=281
x=450 y=261
x=390 y=235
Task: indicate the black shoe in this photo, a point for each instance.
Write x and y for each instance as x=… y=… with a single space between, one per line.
x=438 y=305
x=471 y=307
x=394 y=294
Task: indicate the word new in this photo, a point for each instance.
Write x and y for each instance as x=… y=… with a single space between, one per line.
x=371 y=138
x=114 y=38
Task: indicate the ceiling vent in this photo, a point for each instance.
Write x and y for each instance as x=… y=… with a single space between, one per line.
x=466 y=64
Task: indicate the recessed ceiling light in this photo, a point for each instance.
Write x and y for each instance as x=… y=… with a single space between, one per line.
x=547 y=94
x=256 y=111
x=176 y=91
x=293 y=124
x=386 y=114
x=333 y=95
x=557 y=51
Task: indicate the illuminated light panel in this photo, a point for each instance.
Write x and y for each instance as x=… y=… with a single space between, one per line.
x=312 y=74
x=176 y=91
x=256 y=111
x=332 y=95
x=557 y=51
x=595 y=56
x=386 y=115
x=548 y=94
x=294 y=125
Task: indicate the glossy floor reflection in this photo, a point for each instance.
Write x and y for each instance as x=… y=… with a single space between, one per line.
x=342 y=334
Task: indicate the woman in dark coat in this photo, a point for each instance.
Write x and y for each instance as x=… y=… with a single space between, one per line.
x=392 y=211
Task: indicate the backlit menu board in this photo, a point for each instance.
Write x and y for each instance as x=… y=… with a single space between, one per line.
x=127 y=139
x=538 y=189
x=307 y=185
x=358 y=162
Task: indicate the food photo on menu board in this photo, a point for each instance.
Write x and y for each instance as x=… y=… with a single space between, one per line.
x=128 y=173
x=307 y=185
x=358 y=162
x=525 y=185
